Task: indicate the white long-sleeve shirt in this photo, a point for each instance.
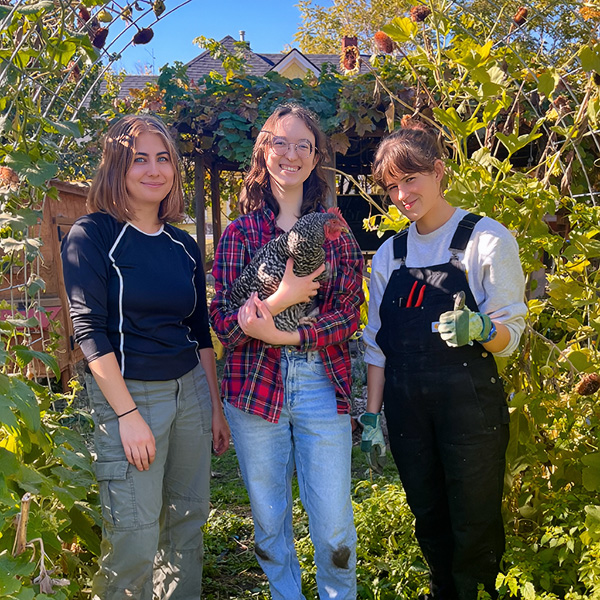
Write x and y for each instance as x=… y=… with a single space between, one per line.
x=491 y=261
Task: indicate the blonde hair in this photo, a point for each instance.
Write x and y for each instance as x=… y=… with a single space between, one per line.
x=108 y=192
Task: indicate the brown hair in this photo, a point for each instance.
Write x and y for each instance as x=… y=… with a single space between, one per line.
x=108 y=192
x=412 y=149
x=257 y=183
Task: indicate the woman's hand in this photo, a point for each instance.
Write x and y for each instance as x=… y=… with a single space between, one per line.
x=292 y=289
x=256 y=321
x=220 y=431
x=138 y=441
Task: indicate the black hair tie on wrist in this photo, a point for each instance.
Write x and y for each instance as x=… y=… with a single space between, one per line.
x=127 y=413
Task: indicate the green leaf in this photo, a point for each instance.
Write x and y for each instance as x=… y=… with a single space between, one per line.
x=528 y=591
x=84 y=529
x=34 y=285
x=64 y=51
x=66 y=128
x=7 y=416
x=26 y=355
x=8 y=584
x=495 y=85
x=472 y=57
x=514 y=142
x=590 y=58
x=593 y=515
x=519 y=400
x=547 y=82
x=26 y=403
x=452 y=120
x=591 y=472
x=401 y=30
x=579 y=360
x=36 y=173
x=73 y=459
x=33 y=9
x=9 y=464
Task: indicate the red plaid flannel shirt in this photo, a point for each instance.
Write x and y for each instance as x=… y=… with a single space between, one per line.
x=252 y=377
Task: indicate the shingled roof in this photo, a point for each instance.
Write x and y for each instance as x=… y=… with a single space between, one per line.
x=258 y=64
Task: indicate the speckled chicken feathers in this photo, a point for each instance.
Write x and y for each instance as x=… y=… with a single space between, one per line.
x=304 y=243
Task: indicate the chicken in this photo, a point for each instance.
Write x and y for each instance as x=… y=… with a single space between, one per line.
x=304 y=243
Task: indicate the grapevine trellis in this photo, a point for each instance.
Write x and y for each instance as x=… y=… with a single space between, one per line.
x=53 y=56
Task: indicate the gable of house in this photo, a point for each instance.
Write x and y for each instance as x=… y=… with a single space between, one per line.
x=293 y=65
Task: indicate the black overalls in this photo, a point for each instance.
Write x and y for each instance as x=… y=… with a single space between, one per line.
x=448 y=424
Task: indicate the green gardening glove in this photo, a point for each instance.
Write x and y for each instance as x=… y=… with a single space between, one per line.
x=372 y=443
x=460 y=326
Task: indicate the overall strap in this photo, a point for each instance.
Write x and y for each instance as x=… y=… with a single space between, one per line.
x=400 y=245
x=463 y=233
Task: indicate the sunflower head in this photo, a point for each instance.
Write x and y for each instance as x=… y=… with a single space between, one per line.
x=520 y=16
x=419 y=13
x=384 y=42
x=588 y=385
x=350 y=60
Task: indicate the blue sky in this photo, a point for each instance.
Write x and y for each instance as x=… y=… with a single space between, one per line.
x=270 y=26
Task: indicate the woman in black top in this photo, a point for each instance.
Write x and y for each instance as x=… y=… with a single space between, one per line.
x=137 y=293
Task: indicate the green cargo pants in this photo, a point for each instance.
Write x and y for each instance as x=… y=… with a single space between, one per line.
x=151 y=535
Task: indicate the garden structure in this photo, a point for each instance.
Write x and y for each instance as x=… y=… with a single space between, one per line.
x=514 y=92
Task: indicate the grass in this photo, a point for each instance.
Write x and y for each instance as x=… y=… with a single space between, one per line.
x=230 y=568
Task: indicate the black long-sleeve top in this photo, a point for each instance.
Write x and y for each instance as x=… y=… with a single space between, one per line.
x=141 y=296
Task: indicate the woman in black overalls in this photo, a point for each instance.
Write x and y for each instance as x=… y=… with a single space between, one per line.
x=429 y=355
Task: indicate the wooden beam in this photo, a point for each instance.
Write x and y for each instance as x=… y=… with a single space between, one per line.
x=215 y=198
x=330 y=175
x=200 y=203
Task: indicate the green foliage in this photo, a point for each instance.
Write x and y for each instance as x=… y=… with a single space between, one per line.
x=42 y=456
x=46 y=477
x=478 y=101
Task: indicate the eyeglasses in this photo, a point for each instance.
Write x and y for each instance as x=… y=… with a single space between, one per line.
x=281 y=147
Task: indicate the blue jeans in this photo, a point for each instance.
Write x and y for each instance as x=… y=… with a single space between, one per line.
x=312 y=436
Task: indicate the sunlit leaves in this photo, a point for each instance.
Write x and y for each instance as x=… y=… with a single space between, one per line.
x=401 y=30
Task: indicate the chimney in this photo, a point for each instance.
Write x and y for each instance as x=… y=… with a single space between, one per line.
x=242 y=35
x=348 y=40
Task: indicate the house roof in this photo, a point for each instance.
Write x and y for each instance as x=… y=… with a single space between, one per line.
x=258 y=64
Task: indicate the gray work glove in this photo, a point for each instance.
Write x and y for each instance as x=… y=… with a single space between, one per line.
x=460 y=326
x=372 y=442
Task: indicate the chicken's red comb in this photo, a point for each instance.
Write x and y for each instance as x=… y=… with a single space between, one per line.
x=334 y=210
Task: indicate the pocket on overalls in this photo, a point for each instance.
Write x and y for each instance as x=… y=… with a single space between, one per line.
x=117 y=498
x=492 y=400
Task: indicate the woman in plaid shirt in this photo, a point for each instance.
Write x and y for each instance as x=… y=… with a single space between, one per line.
x=287 y=394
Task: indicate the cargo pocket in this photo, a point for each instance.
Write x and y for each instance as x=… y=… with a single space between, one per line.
x=117 y=496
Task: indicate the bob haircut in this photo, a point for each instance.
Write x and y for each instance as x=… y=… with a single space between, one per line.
x=257 y=183
x=412 y=149
x=108 y=192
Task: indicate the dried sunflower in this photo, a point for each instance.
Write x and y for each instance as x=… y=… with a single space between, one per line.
x=588 y=385
x=143 y=36
x=520 y=16
x=99 y=38
x=384 y=42
x=350 y=60
x=419 y=13
x=158 y=6
x=9 y=180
